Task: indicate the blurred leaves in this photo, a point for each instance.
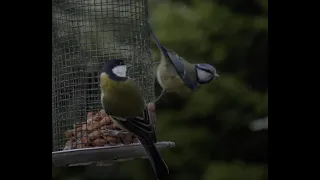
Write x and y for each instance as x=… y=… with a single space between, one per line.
x=205 y=125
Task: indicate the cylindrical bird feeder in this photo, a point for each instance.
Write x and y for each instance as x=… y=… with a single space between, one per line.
x=84 y=34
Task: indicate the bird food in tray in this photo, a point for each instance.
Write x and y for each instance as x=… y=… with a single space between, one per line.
x=97 y=131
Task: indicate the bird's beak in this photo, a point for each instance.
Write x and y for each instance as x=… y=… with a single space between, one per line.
x=217 y=75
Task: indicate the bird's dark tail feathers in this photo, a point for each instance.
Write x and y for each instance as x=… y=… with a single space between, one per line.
x=159 y=166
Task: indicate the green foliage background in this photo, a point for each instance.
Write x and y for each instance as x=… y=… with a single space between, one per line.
x=209 y=127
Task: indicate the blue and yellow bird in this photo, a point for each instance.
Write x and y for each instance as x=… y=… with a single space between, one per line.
x=123 y=102
x=174 y=74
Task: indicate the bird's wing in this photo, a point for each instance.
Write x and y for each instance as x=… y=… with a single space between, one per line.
x=177 y=62
x=140 y=126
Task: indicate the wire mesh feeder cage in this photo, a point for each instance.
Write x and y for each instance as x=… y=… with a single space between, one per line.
x=84 y=34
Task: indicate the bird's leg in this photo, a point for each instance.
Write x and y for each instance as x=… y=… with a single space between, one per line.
x=162 y=93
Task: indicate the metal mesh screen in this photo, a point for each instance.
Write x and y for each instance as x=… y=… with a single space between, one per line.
x=84 y=34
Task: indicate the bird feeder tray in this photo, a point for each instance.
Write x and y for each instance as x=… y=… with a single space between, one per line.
x=99 y=141
x=107 y=155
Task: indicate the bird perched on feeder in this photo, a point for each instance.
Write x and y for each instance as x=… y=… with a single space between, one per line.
x=174 y=74
x=123 y=102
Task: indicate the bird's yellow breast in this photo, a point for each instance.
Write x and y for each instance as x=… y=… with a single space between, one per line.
x=121 y=98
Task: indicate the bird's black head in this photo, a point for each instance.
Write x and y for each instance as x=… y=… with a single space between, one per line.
x=116 y=69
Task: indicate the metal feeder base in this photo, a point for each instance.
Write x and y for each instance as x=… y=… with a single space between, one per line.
x=107 y=155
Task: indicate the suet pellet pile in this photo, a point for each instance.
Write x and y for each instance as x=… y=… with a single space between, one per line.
x=97 y=131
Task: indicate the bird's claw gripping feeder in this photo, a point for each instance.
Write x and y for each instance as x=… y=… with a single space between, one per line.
x=84 y=34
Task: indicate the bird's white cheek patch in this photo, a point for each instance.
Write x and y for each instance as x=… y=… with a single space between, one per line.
x=203 y=75
x=120 y=71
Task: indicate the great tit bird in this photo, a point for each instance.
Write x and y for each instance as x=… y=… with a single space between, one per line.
x=123 y=102
x=174 y=74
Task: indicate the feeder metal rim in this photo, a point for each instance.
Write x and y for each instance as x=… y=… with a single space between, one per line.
x=108 y=154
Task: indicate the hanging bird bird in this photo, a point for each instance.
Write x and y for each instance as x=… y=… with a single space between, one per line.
x=174 y=74
x=126 y=107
